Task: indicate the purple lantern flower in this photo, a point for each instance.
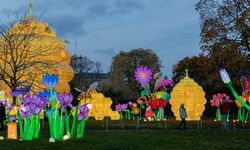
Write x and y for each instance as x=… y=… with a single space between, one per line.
x=167 y=83
x=15 y=93
x=4 y=103
x=26 y=99
x=20 y=91
x=50 y=81
x=65 y=99
x=24 y=112
x=40 y=101
x=84 y=110
x=143 y=74
x=11 y=107
x=33 y=108
x=32 y=105
x=12 y=119
x=130 y=103
x=121 y=107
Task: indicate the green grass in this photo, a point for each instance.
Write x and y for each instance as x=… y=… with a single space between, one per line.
x=153 y=135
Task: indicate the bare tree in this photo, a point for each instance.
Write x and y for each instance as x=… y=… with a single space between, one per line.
x=97 y=67
x=23 y=55
x=81 y=64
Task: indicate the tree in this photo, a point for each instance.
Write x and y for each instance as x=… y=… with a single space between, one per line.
x=81 y=64
x=225 y=22
x=22 y=55
x=97 y=67
x=204 y=69
x=83 y=68
x=125 y=63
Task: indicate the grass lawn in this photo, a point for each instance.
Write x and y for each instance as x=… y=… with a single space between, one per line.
x=149 y=136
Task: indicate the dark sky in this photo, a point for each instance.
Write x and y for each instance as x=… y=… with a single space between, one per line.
x=104 y=27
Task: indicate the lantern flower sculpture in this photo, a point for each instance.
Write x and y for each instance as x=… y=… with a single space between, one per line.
x=242 y=113
x=20 y=92
x=224 y=76
x=157 y=100
x=158 y=105
x=50 y=81
x=245 y=83
x=141 y=105
x=30 y=111
x=57 y=124
x=216 y=101
x=143 y=74
x=55 y=118
x=226 y=79
x=135 y=109
x=65 y=99
x=12 y=111
x=123 y=108
x=80 y=115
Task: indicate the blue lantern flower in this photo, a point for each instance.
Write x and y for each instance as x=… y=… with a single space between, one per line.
x=44 y=93
x=50 y=80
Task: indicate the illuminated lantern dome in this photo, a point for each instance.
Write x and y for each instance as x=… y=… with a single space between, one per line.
x=188 y=92
x=54 y=51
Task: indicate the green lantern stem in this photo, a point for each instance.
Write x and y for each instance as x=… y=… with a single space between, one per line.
x=238 y=98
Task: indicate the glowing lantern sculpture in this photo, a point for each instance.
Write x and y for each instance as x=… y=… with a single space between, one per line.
x=188 y=92
x=100 y=106
x=52 y=50
x=12 y=130
x=226 y=79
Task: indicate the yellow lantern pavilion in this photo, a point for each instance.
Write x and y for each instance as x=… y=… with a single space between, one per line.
x=188 y=92
x=51 y=49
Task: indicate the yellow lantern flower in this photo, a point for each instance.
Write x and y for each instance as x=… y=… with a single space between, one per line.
x=13 y=111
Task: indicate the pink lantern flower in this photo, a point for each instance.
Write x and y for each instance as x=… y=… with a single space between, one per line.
x=217 y=99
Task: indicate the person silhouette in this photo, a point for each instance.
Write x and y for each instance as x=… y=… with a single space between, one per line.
x=2 y=116
x=183 y=115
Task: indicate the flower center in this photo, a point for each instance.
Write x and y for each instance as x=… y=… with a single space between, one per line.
x=143 y=74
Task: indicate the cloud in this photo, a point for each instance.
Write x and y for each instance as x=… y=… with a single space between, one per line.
x=67 y=25
x=108 y=51
x=126 y=6
x=169 y=27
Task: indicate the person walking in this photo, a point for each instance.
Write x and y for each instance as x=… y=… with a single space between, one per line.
x=2 y=116
x=224 y=107
x=183 y=115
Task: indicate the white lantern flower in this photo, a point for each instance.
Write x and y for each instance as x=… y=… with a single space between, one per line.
x=89 y=106
x=52 y=140
x=224 y=75
x=65 y=137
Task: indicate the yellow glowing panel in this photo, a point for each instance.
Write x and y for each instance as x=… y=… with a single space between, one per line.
x=188 y=92
x=100 y=106
x=12 y=130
